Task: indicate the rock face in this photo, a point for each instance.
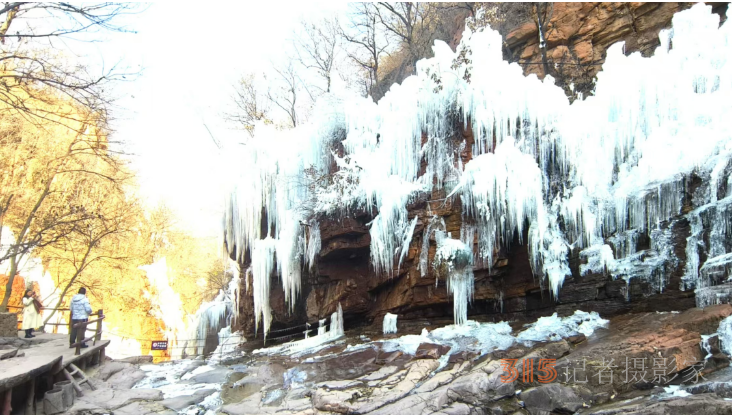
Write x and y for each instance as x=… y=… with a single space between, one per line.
x=577 y=37
x=643 y=349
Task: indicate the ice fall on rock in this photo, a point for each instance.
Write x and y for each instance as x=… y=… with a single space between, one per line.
x=593 y=175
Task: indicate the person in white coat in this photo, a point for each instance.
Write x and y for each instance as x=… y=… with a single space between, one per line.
x=31 y=317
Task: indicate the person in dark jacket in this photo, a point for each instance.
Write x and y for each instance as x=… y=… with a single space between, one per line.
x=80 y=311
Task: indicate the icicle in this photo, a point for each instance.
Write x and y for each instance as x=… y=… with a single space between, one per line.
x=693 y=242
x=407 y=240
x=235 y=288
x=390 y=323
x=263 y=265
x=706 y=346
x=313 y=246
x=435 y=223
x=289 y=258
x=336 y=323
x=455 y=260
x=390 y=228
x=725 y=335
x=548 y=253
x=248 y=278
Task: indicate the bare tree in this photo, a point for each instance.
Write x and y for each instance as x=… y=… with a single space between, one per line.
x=316 y=47
x=284 y=92
x=87 y=243
x=400 y=19
x=47 y=208
x=251 y=104
x=63 y=18
x=369 y=44
x=28 y=63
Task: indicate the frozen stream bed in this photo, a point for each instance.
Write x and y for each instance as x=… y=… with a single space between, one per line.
x=192 y=386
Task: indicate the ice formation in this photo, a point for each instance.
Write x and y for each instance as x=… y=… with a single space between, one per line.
x=454 y=259
x=175 y=379
x=390 y=323
x=216 y=316
x=554 y=328
x=314 y=343
x=724 y=334
x=483 y=338
x=598 y=175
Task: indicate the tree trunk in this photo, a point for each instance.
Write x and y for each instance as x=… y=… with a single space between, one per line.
x=19 y=241
x=9 y=285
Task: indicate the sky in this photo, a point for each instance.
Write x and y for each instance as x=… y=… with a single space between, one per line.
x=189 y=59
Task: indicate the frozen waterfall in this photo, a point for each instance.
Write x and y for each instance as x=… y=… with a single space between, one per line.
x=621 y=158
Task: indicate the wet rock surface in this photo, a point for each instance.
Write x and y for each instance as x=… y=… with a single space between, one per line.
x=126 y=388
x=355 y=380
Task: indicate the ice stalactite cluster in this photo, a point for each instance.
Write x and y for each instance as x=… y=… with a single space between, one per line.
x=390 y=323
x=710 y=278
x=598 y=175
x=454 y=260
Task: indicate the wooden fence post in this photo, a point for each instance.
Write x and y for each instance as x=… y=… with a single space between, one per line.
x=30 y=401
x=98 y=334
x=6 y=404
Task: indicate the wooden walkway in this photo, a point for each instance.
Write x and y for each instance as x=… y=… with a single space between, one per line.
x=48 y=357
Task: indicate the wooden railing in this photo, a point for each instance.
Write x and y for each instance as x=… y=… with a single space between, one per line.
x=55 y=328
x=97 y=333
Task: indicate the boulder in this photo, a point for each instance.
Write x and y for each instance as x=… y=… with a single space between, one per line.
x=218 y=375
x=111 y=400
x=479 y=388
x=431 y=351
x=554 y=397
x=119 y=375
x=179 y=402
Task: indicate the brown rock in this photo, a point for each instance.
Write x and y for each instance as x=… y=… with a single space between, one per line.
x=583 y=51
x=522 y=34
x=576 y=339
x=670 y=341
x=431 y=351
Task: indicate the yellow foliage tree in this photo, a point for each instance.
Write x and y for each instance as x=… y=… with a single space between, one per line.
x=53 y=173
